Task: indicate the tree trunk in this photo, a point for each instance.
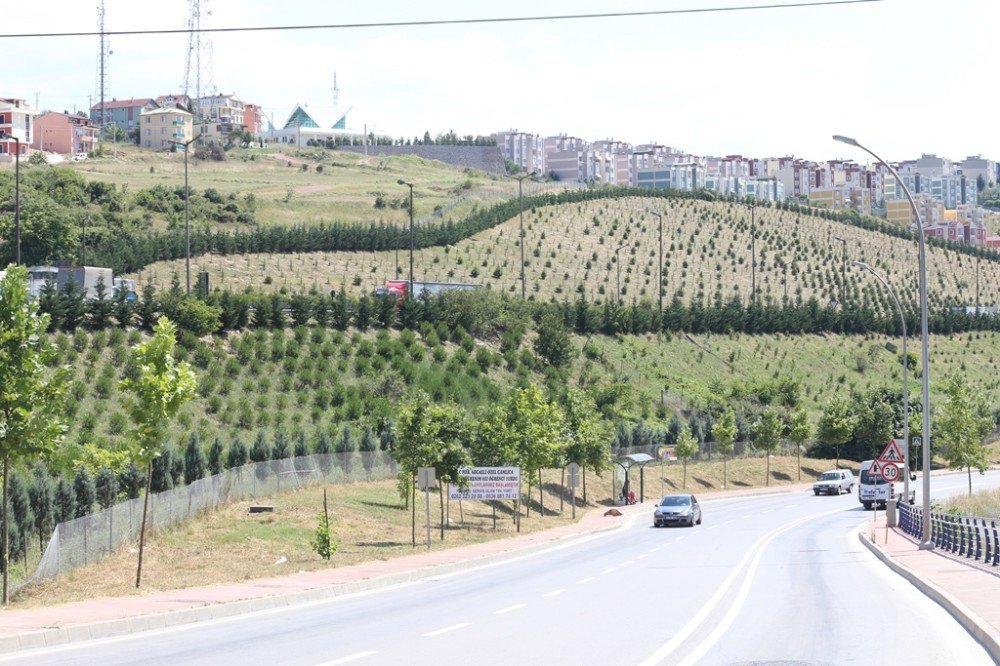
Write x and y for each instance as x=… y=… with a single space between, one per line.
x=725 y=471
x=4 y=555
x=142 y=526
x=441 y=501
x=541 y=504
x=837 y=446
x=767 y=479
x=584 y=485
x=527 y=505
x=562 y=488
x=413 y=509
x=970 y=480
x=798 y=460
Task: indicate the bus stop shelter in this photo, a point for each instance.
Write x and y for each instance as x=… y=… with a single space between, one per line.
x=627 y=464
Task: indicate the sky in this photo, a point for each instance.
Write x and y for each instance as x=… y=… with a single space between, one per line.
x=904 y=77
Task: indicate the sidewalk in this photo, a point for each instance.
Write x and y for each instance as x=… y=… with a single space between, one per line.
x=100 y=618
x=968 y=590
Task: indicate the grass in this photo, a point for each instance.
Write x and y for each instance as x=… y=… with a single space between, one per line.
x=368 y=523
x=570 y=252
x=985 y=504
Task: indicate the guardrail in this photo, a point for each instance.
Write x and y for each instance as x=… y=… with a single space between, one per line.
x=971 y=537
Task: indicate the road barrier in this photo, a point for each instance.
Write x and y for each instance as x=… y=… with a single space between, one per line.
x=971 y=537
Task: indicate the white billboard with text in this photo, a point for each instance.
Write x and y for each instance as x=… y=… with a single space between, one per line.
x=488 y=483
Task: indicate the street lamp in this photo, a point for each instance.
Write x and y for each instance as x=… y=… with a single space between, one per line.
x=187 y=215
x=843 y=275
x=17 y=195
x=520 y=205
x=409 y=291
x=925 y=439
x=753 y=254
x=618 y=265
x=659 y=268
x=906 y=382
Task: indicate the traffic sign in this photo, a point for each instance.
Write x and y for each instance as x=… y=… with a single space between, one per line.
x=893 y=452
x=875 y=470
x=890 y=473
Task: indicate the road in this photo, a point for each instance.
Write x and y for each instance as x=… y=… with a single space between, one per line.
x=776 y=578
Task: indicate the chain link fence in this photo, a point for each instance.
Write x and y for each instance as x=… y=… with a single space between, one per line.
x=86 y=540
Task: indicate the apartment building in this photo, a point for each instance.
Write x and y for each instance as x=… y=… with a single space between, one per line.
x=64 y=133
x=16 y=119
x=122 y=113
x=218 y=116
x=177 y=101
x=524 y=149
x=952 y=190
x=843 y=196
x=975 y=167
x=898 y=211
x=253 y=118
x=566 y=157
x=678 y=176
x=164 y=129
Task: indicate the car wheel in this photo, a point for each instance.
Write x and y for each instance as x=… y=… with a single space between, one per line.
x=867 y=505
x=699 y=520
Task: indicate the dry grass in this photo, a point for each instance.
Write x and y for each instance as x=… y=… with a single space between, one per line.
x=369 y=523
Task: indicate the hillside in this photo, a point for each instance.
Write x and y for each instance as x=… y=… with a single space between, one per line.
x=570 y=251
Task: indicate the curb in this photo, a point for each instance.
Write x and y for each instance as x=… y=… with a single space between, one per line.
x=975 y=625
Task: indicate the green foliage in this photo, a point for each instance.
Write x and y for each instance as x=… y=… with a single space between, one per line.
x=554 y=343
x=724 y=432
x=960 y=425
x=686 y=447
x=588 y=435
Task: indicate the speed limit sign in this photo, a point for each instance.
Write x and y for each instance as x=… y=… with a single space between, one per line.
x=890 y=473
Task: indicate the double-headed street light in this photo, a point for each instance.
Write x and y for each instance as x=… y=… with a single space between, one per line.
x=618 y=265
x=925 y=440
x=753 y=254
x=409 y=291
x=520 y=205
x=843 y=274
x=659 y=268
x=187 y=214
x=906 y=382
x=17 y=194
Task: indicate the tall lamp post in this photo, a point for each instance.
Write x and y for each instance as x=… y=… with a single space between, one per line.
x=187 y=215
x=925 y=439
x=906 y=382
x=17 y=195
x=520 y=205
x=409 y=290
x=618 y=265
x=843 y=274
x=753 y=254
x=659 y=268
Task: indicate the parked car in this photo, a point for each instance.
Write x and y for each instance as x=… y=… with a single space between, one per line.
x=79 y=157
x=834 y=482
x=680 y=509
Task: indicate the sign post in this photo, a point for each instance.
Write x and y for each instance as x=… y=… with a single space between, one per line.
x=426 y=477
x=574 y=471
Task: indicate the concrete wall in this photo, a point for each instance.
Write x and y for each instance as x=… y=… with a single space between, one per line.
x=484 y=158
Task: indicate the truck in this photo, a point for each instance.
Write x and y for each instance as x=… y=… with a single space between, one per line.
x=398 y=288
x=85 y=278
x=876 y=492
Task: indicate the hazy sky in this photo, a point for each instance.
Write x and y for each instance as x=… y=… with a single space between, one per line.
x=904 y=76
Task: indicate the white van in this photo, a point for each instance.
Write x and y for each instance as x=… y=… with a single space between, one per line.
x=876 y=492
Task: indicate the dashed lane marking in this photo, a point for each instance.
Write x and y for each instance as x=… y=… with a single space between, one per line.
x=554 y=593
x=509 y=609
x=445 y=630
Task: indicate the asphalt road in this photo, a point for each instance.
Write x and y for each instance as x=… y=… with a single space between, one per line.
x=778 y=578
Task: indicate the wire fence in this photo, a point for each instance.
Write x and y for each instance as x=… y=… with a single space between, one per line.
x=86 y=540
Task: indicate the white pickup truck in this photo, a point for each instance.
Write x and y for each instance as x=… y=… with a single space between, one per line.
x=877 y=491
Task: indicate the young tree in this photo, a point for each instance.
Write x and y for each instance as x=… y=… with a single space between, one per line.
x=685 y=448
x=154 y=398
x=106 y=487
x=29 y=401
x=194 y=460
x=236 y=456
x=23 y=517
x=130 y=480
x=588 y=435
x=799 y=432
x=215 y=459
x=42 y=502
x=65 y=501
x=83 y=492
x=100 y=309
x=960 y=426
x=74 y=308
x=123 y=309
x=415 y=447
x=836 y=425
x=767 y=436
x=554 y=344
x=724 y=434
x=368 y=446
x=160 y=478
x=345 y=450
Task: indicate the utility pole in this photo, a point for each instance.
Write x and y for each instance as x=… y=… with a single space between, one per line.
x=753 y=254
x=843 y=274
x=409 y=291
x=659 y=268
x=520 y=205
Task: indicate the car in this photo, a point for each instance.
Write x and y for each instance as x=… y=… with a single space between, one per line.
x=834 y=482
x=679 y=509
x=79 y=157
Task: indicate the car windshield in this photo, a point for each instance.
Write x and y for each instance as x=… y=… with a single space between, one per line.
x=829 y=476
x=675 y=500
x=869 y=479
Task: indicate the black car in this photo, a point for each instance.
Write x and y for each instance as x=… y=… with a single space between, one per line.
x=682 y=509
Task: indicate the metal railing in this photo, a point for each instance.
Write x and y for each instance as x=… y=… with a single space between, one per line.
x=971 y=537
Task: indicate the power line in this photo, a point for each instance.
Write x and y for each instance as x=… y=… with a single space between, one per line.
x=407 y=24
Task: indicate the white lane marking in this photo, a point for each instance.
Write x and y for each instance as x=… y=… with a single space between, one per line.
x=609 y=570
x=679 y=538
x=641 y=556
x=626 y=563
x=445 y=630
x=768 y=511
x=584 y=581
x=728 y=521
x=509 y=609
x=653 y=550
x=348 y=658
x=699 y=618
x=554 y=593
x=712 y=527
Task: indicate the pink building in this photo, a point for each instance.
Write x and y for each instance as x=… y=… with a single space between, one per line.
x=253 y=118
x=64 y=133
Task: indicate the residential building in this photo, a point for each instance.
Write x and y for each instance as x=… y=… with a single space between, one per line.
x=566 y=157
x=952 y=190
x=16 y=119
x=843 y=196
x=898 y=211
x=178 y=101
x=679 y=176
x=975 y=167
x=164 y=129
x=64 y=133
x=523 y=149
x=217 y=116
x=253 y=118
x=124 y=113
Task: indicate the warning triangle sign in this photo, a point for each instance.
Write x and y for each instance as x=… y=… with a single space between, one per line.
x=893 y=452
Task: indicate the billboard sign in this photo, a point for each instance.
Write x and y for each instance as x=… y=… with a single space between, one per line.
x=488 y=483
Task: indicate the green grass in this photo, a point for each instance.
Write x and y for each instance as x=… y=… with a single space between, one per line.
x=985 y=504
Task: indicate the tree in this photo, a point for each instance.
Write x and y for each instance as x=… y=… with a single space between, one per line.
x=29 y=401
x=74 y=308
x=368 y=446
x=236 y=456
x=24 y=519
x=799 y=432
x=106 y=487
x=415 y=447
x=588 y=435
x=686 y=447
x=194 y=460
x=65 y=502
x=767 y=436
x=42 y=502
x=345 y=450
x=122 y=308
x=215 y=459
x=960 y=426
x=154 y=399
x=84 y=492
x=100 y=308
x=724 y=434
x=836 y=425
x=554 y=343
x=130 y=480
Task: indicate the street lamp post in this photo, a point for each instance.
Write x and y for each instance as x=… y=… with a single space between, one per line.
x=520 y=205
x=618 y=265
x=17 y=195
x=753 y=254
x=659 y=268
x=409 y=291
x=843 y=274
x=187 y=215
x=906 y=382
x=925 y=439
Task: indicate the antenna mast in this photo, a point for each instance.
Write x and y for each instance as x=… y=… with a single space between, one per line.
x=102 y=69
x=199 y=57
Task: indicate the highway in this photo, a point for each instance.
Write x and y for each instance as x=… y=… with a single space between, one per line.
x=773 y=578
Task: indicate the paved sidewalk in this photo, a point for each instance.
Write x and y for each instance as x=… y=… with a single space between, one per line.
x=99 y=618
x=966 y=589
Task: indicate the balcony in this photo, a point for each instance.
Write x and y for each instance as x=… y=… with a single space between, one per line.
x=177 y=121
x=177 y=134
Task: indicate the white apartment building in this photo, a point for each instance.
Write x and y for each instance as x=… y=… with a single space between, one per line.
x=16 y=119
x=565 y=157
x=523 y=149
x=975 y=166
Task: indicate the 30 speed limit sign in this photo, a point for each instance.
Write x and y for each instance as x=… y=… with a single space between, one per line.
x=890 y=473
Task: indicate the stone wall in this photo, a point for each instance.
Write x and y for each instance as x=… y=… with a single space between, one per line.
x=484 y=158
